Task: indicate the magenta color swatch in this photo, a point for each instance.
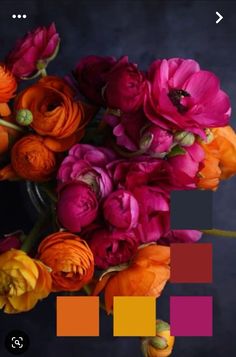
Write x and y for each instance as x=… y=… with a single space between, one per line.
x=191 y=315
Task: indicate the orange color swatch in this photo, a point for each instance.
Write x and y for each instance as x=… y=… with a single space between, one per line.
x=134 y=316
x=77 y=316
x=191 y=263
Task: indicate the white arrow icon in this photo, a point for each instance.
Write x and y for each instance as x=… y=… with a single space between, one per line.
x=220 y=17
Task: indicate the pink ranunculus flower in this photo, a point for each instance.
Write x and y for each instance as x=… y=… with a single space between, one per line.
x=140 y=171
x=121 y=210
x=156 y=141
x=77 y=206
x=127 y=128
x=86 y=163
x=89 y=74
x=33 y=52
x=183 y=169
x=154 y=213
x=10 y=241
x=181 y=236
x=112 y=247
x=125 y=86
x=183 y=96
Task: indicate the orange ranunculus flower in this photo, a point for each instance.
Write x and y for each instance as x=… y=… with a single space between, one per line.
x=23 y=281
x=7 y=136
x=70 y=259
x=146 y=275
x=8 y=86
x=220 y=158
x=32 y=160
x=56 y=115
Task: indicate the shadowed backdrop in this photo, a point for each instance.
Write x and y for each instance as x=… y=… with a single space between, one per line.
x=144 y=30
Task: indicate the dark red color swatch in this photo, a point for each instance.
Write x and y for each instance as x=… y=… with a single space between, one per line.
x=191 y=263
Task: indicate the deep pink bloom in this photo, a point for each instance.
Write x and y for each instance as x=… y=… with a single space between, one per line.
x=156 y=140
x=38 y=45
x=10 y=241
x=121 y=209
x=86 y=163
x=112 y=247
x=181 y=236
x=125 y=86
x=183 y=169
x=127 y=128
x=77 y=206
x=89 y=74
x=139 y=171
x=154 y=213
x=182 y=96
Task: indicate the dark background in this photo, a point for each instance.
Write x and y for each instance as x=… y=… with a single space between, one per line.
x=144 y=30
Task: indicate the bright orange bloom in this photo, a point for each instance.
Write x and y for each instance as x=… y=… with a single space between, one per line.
x=145 y=276
x=220 y=158
x=7 y=136
x=23 y=281
x=32 y=160
x=8 y=84
x=56 y=115
x=70 y=259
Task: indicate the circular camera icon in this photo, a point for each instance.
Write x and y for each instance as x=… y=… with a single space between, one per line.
x=17 y=342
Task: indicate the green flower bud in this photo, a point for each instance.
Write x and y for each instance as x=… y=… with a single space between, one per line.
x=161 y=345
x=145 y=141
x=184 y=138
x=24 y=117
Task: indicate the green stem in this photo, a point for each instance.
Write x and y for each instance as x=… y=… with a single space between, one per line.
x=11 y=125
x=32 y=238
x=219 y=233
x=43 y=72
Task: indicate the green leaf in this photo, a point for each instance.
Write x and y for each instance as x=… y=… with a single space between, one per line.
x=177 y=150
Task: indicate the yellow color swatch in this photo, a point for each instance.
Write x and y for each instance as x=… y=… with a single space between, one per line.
x=134 y=316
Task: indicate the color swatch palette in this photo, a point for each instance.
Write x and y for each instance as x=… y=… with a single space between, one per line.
x=191 y=263
x=191 y=315
x=134 y=316
x=77 y=316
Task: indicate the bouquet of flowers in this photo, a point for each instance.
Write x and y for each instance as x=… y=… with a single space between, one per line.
x=107 y=144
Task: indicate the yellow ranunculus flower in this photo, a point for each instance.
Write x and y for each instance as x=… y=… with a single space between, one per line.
x=162 y=344
x=23 y=281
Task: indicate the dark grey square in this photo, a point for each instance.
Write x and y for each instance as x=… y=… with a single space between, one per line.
x=191 y=209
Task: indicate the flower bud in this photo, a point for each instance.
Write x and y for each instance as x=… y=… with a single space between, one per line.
x=209 y=136
x=184 y=138
x=155 y=140
x=24 y=117
x=162 y=344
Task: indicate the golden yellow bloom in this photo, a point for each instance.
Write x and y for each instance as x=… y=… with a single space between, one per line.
x=162 y=344
x=23 y=281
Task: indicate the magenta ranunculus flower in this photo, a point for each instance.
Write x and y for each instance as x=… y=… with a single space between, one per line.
x=183 y=169
x=10 y=241
x=156 y=141
x=77 y=206
x=89 y=74
x=127 y=128
x=112 y=247
x=154 y=213
x=181 y=236
x=86 y=163
x=33 y=52
x=183 y=96
x=125 y=86
x=121 y=210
